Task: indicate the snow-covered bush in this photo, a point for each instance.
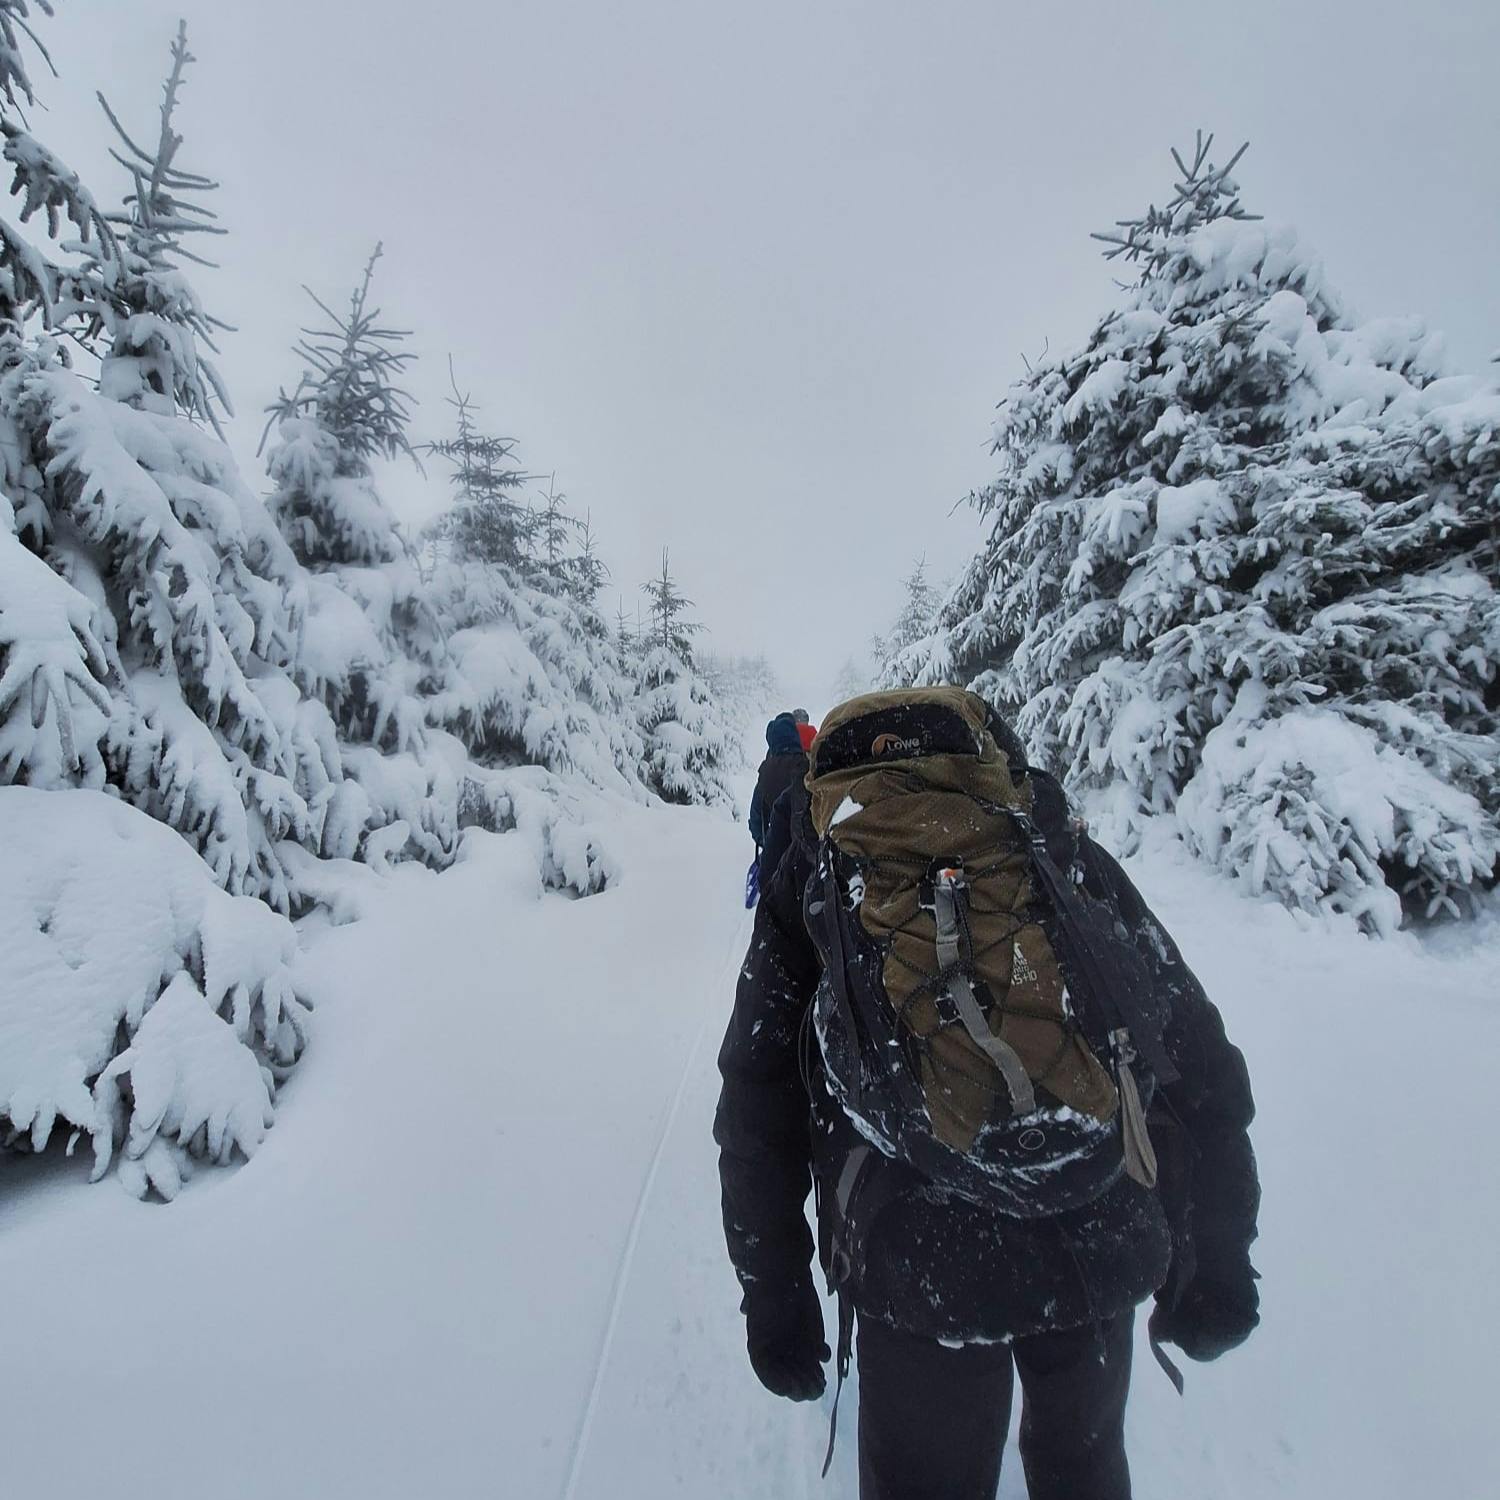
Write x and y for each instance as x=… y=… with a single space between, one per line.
x=565 y=822
x=144 y=1007
x=1241 y=568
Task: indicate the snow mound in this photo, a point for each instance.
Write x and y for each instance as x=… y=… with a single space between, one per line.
x=1312 y=807
x=562 y=821
x=143 y=1007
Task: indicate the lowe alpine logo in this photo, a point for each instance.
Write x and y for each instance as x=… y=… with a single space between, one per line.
x=893 y=744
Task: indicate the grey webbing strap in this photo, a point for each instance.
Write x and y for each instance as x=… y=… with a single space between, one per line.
x=853 y=1164
x=1140 y=1155
x=1002 y=1054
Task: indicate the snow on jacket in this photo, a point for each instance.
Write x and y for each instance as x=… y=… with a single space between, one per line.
x=785 y=762
x=943 y=1267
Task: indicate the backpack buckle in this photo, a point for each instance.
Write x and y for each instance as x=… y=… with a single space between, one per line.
x=948 y=873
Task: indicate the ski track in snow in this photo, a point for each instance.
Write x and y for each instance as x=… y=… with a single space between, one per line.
x=480 y=1253
x=632 y=1238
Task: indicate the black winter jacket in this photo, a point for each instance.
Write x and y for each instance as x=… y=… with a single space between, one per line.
x=945 y=1268
x=777 y=772
x=792 y=806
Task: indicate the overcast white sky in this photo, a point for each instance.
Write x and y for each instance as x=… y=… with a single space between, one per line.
x=751 y=278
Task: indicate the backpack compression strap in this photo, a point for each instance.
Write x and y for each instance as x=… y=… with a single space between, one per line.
x=947 y=888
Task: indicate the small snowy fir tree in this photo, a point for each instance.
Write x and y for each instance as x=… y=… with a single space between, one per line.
x=552 y=530
x=365 y=601
x=853 y=679
x=585 y=573
x=671 y=629
x=523 y=676
x=1241 y=570
x=912 y=624
x=690 y=741
x=488 y=522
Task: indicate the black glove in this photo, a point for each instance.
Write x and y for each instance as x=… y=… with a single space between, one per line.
x=784 y=1331
x=1209 y=1319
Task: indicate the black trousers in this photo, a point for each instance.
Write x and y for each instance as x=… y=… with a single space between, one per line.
x=933 y=1419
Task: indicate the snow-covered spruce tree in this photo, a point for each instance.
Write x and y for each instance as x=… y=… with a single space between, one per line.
x=530 y=681
x=54 y=688
x=144 y=620
x=488 y=521
x=1241 y=568
x=195 y=600
x=852 y=680
x=912 y=624
x=691 y=743
x=552 y=530
x=365 y=605
x=585 y=572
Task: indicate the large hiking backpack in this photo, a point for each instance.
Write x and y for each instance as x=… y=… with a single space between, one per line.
x=981 y=1018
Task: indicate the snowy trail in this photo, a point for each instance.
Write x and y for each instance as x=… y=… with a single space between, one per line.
x=480 y=1254
x=632 y=1239
x=405 y=1293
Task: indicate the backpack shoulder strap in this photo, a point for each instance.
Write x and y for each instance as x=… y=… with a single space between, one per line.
x=1112 y=993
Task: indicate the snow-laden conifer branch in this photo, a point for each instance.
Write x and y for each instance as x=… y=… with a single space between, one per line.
x=139 y=302
x=1203 y=193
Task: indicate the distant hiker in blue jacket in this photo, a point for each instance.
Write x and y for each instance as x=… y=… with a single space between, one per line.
x=785 y=762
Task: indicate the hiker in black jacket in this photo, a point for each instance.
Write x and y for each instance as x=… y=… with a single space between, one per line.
x=791 y=808
x=953 y=1298
x=785 y=762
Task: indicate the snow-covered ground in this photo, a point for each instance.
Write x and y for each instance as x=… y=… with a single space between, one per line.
x=479 y=1253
